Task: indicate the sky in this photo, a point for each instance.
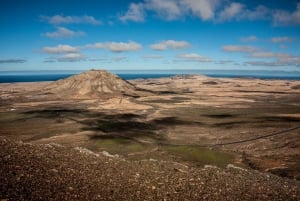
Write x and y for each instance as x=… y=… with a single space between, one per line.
x=50 y=35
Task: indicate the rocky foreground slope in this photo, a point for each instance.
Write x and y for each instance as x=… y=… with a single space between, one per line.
x=53 y=172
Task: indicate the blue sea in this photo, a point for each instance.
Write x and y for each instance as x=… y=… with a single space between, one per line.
x=37 y=76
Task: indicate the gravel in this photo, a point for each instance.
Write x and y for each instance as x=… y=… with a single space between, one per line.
x=55 y=172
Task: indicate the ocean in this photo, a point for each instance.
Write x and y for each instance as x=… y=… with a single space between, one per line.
x=37 y=76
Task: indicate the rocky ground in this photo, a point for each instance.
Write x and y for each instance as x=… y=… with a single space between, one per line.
x=54 y=172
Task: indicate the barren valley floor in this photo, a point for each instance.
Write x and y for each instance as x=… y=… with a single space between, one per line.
x=192 y=123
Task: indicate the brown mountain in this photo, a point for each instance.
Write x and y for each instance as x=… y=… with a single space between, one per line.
x=92 y=83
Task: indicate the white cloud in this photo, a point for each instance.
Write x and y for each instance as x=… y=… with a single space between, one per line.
x=269 y=58
x=214 y=10
x=279 y=17
x=171 y=9
x=259 y=13
x=117 y=46
x=135 y=13
x=224 y=62
x=123 y=47
x=290 y=59
x=68 y=57
x=169 y=44
x=285 y=18
x=62 y=32
x=193 y=57
x=61 y=49
x=60 y=19
x=262 y=63
x=281 y=39
x=279 y=59
x=238 y=11
x=167 y=9
x=238 y=48
x=230 y=11
x=71 y=57
x=205 y=9
x=286 y=61
x=268 y=55
x=249 y=39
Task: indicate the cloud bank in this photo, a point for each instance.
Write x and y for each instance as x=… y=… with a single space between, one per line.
x=117 y=47
x=194 y=57
x=209 y=10
x=239 y=48
x=71 y=57
x=60 y=19
x=61 y=49
x=269 y=58
x=135 y=13
x=171 y=9
x=281 y=39
x=282 y=17
x=62 y=32
x=169 y=44
x=64 y=53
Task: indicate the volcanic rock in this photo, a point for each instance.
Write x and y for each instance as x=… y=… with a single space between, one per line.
x=51 y=172
x=93 y=83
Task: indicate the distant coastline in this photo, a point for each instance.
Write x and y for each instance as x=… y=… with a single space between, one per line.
x=39 y=76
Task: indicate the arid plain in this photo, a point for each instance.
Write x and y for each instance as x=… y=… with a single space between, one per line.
x=190 y=120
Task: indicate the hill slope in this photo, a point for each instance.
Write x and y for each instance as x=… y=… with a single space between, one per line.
x=53 y=172
x=93 y=83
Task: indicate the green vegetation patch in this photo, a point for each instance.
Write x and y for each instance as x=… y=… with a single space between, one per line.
x=12 y=116
x=118 y=145
x=200 y=155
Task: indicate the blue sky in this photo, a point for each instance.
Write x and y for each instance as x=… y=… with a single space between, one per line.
x=149 y=35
